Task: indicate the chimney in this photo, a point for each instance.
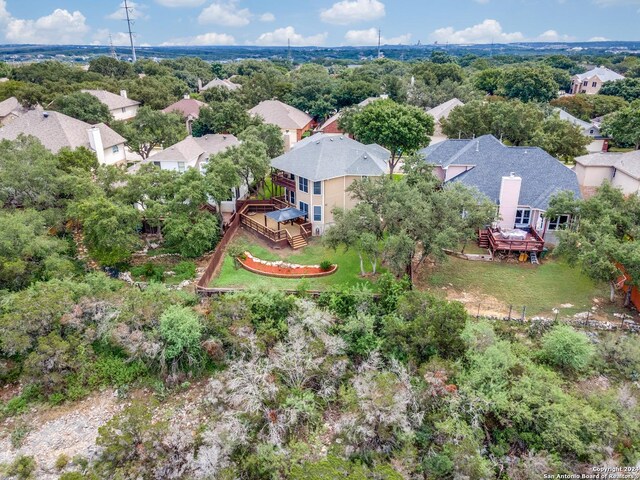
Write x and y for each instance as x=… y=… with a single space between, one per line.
x=123 y=94
x=384 y=96
x=605 y=145
x=199 y=84
x=95 y=140
x=186 y=96
x=509 y=199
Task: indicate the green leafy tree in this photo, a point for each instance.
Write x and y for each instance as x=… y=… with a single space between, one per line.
x=181 y=330
x=401 y=129
x=83 y=106
x=110 y=228
x=150 y=129
x=488 y=80
x=111 y=67
x=81 y=158
x=222 y=117
x=529 y=84
x=628 y=88
x=268 y=134
x=567 y=349
x=561 y=139
x=156 y=92
x=624 y=125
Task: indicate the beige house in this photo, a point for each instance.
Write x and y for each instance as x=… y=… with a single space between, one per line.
x=622 y=170
x=316 y=173
x=591 y=82
x=189 y=108
x=440 y=113
x=57 y=131
x=120 y=106
x=293 y=122
x=10 y=109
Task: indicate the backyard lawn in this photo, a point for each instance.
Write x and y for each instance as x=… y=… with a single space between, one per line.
x=348 y=267
x=553 y=284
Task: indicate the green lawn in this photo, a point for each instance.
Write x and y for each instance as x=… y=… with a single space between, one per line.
x=541 y=288
x=348 y=268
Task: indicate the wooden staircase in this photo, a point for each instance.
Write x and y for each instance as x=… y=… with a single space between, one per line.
x=483 y=239
x=297 y=242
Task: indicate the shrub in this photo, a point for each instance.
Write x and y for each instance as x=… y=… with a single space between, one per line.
x=19 y=434
x=62 y=461
x=184 y=271
x=22 y=468
x=325 y=265
x=567 y=349
x=180 y=330
x=149 y=272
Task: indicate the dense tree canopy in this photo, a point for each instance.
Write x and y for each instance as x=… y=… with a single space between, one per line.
x=83 y=106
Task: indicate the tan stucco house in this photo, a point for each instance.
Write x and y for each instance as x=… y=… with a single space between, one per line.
x=316 y=173
x=292 y=122
x=591 y=82
x=622 y=170
x=120 y=106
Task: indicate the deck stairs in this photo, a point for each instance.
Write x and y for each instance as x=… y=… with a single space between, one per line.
x=533 y=256
x=483 y=239
x=297 y=242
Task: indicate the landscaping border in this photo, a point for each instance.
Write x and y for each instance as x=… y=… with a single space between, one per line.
x=333 y=270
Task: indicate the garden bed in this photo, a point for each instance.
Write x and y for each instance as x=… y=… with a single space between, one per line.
x=281 y=269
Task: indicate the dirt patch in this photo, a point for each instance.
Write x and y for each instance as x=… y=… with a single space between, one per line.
x=69 y=429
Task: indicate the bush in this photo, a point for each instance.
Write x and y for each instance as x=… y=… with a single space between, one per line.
x=180 y=330
x=149 y=272
x=184 y=271
x=22 y=468
x=567 y=349
x=61 y=462
x=325 y=265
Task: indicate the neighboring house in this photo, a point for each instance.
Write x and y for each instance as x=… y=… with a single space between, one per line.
x=520 y=180
x=591 y=82
x=56 y=131
x=331 y=125
x=589 y=129
x=218 y=83
x=621 y=169
x=120 y=106
x=10 y=109
x=316 y=173
x=189 y=108
x=194 y=152
x=293 y=122
x=440 y=113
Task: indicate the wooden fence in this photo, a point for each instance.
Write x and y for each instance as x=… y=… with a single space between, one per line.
x=216 y=259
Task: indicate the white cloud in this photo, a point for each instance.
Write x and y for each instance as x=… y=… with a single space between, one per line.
x=136 y=12
x=225 y=13
x=486 y=32
x=598 y=39
x=59 y=27
x=353 y=11
x=370 y=37
x=180 y=3
x=119 y=39
x=267 y=17
x=553 y=36
x=210 y=38
x=281 y=36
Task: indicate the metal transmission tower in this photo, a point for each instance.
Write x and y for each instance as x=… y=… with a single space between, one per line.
x=128 y=10
x=112 y=49
x=379 y=41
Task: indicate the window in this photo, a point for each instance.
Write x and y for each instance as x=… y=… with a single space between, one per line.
x=317 y=188
x=157 y=164
x=115 y=149
x=523 y=217
x=591 y=132
x=317 y=214
x=594 y=84
x=304 y=207
x=558 y=222
x=583 y=91
x=303 y=184
x=124 y=109
x=181 y=167
x=292 y=197
x=585 y=83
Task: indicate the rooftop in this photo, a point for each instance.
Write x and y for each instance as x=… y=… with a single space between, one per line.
x=322 y=157
x=488 y=160
x=628 y=163
x=192 y=148
x=603 y=73
x=56 y=131
x=444 y=109
x=188 y=107
x=9 y=105
x=278 y=113
x=111 y=100
x=216 y=82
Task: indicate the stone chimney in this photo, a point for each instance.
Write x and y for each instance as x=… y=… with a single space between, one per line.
x=95 y=140
x=123 y=94
x=509 y=199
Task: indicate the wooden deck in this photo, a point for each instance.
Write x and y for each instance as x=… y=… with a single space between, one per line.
x=252 y=215
x=493 y=240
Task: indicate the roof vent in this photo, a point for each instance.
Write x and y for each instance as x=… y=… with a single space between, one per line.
x=45 y=114
x=331 y=139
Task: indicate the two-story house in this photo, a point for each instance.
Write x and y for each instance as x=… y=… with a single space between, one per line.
x=591 y=82
x=292 y=122
x=189 y=108
x=317 y=171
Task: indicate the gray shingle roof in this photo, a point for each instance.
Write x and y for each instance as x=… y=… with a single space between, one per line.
x=111 y=100
x=192 y=149
x=284 y=116
x=489 y=161
x=9 y=105
x=628 y=163
x=216 y=82
x=444 y=109
x=56 y=131
x=322 y=157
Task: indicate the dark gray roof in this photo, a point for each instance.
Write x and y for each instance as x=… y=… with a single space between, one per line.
x=286 y=214
x=321 y=157
x=489 y=161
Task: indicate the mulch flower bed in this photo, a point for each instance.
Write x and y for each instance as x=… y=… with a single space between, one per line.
x=282 y=269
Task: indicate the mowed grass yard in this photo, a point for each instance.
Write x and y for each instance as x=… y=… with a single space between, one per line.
x=348 y=272
x=541 y=288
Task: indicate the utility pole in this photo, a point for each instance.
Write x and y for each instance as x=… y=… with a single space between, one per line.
x=112 y=49
x=127 y=11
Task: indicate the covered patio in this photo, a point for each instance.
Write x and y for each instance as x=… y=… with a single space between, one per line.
x=280 y=219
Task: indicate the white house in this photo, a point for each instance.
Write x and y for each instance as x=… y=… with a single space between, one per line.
x=57 y=131
x=120 y=106
x=591 y=82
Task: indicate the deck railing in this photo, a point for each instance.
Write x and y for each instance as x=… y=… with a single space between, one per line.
x=535 y=243
x=281 y=180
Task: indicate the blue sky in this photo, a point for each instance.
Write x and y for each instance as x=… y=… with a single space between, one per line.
x=318 y=22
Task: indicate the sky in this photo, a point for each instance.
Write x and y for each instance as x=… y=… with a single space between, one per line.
x=317 y=22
